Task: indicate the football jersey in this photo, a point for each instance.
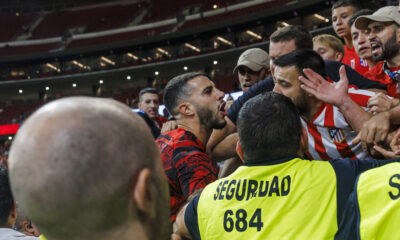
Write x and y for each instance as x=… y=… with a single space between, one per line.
x=351 y=59
x=377 y=74
x=330 y=135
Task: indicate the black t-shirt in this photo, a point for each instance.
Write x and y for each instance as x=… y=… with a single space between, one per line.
x=332 y=71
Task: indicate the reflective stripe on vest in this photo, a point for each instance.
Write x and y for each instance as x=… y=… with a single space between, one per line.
x=378 y=197
x=291 y=200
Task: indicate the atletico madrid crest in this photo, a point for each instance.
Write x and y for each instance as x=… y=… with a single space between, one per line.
x=336 y=135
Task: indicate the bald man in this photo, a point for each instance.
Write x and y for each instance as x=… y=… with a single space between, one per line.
x=87 y=168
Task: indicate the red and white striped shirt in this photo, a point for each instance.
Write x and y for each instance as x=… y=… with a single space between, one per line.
x=330 y=135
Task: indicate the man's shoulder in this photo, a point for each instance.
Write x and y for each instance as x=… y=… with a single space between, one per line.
x=375 y=73
x=181 y=141
x=10 y=234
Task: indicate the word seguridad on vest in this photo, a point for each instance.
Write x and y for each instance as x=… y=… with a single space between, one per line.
x=244 y=189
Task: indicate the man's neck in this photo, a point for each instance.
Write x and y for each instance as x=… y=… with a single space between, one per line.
x=394 y=62
x=312 y=109
x=134 y=231
x=348 y=42
x=201 y=132
x=370 y=62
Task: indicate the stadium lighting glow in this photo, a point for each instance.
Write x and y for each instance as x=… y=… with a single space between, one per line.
x=192 y=47
x=215 y=6
x=132 y=56
x=47 y=88
x=74 y=85
x=164 y=52
x=10 y=138
x=156 y=73
x=20 y=91
x=80 y=65
x=107 y=60
x=285 y=24
x=321 y=18
x=224 y=41
x=51 y=66
x=185 y=68
x=215 y=62
x=101 y=81
x=253 y=34
x=128 y=77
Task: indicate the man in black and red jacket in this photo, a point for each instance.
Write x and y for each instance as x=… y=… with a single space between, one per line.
x=198 y=107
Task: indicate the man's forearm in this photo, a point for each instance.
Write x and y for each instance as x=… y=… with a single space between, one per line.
x=179 y=227
x=219 y=135
x=225 y=149
x=354 y=114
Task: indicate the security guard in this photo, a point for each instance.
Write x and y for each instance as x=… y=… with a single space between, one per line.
x=373 y=208
x=277 y=194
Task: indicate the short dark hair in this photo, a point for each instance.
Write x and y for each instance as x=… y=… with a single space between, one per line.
x=269 y=127
x=302 y=38
x=302 y=59
x=6 y=197
x=176 y=89
x=359 y=13
x=346 y=3
x=147 y=90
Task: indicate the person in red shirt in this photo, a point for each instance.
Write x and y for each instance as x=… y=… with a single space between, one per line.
x=198 y=107
x=341 y=12
x=361 y=43
x=383 y=28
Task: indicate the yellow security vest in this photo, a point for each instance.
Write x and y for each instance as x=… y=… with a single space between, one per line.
x=378 y=198
x=295 y=199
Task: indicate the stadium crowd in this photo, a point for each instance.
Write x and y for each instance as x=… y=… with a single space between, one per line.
x=311 y=150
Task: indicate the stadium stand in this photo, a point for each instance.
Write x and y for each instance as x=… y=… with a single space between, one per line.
x=16 y=24
x=92 y=19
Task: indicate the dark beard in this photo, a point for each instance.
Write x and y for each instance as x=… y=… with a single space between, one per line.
x=207 y=118
x=389 y=50
x=301 y=104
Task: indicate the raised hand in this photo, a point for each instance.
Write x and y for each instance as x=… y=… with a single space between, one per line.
x=322 y=89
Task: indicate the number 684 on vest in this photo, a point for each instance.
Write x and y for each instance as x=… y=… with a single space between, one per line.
x=239 y=220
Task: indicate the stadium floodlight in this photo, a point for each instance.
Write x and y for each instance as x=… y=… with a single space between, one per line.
x=185 y=68
x=221 y=39
x=20 y=91
x=215 y=62
x=321 y=18
x=47 y=88
x=192 y=47
x=107 y=60
x=128 y=77
x=285 y=24
x=132 y=56
x=253 y=34
x=51 y=66
x=80 y=65
x=156 y=73
x=164 y=52
x=74 y=85
x=101 y=81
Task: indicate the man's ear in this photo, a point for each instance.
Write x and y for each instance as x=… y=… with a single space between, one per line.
x=27 y=226
x=239 y=150
x=398 y=35
x=139 y=105
x=186 y=109
x=303 y=141
x=142 y=194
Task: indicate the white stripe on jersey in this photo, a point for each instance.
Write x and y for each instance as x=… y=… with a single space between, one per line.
x=340 y=136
